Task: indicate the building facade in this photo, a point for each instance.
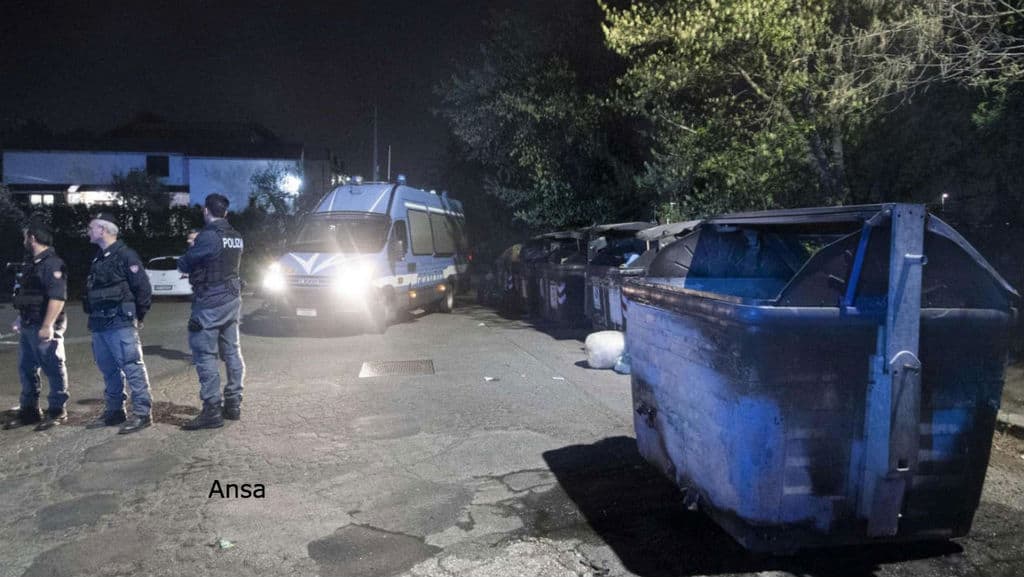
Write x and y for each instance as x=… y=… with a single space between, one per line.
x=190 y=160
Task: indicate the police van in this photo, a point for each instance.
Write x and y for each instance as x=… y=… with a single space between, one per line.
x=371 y=250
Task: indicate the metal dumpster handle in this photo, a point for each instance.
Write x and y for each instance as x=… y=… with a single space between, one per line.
x=858 y=262
x=905 y=369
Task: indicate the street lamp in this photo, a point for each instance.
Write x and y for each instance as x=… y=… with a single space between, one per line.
x=945 y=195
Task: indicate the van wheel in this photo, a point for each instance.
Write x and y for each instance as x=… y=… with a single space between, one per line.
x=447 y=303
x=382 y=313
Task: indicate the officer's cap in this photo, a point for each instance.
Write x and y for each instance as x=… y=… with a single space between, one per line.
x=107 y=216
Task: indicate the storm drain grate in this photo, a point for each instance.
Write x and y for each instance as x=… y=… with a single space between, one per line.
x=396 y=368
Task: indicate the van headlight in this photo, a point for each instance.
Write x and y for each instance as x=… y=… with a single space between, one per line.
x=273 y=279
x=353 y=280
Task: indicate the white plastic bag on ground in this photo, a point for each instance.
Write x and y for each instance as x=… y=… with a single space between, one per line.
x=604 y=348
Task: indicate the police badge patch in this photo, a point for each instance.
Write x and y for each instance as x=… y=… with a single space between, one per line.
x=134 y=268
x=57 y=274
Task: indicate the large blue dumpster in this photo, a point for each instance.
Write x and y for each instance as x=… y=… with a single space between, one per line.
x=821 y=376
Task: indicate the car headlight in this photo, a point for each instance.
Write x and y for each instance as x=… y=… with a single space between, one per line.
x=273 y=278
x=353 y=280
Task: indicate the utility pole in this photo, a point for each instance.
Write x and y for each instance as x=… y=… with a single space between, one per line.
x=389 y=163
x=376 y=166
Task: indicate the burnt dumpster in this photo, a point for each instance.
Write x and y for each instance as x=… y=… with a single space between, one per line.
x=561 y=277
x=499 y=289
x=617 y=251
x=519 y=277
x=821 y=376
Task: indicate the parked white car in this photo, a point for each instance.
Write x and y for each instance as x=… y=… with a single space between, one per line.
x=166 y=279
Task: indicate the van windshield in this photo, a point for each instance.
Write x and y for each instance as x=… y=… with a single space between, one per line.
x=350 y=234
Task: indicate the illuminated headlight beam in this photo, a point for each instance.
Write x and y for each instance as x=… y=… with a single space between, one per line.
x=273 y=279
x=353 y=281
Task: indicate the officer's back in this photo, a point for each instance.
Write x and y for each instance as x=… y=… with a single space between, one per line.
x=212 y=264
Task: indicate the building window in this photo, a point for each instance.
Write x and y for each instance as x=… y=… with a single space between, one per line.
x=92 y=197
x=44 y=199
x=158 y=166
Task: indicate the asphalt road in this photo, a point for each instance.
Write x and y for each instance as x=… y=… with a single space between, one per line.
x=509 y=458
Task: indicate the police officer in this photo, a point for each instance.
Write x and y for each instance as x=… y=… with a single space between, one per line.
x=117 y=299
x=212 y=267
x=41 y=322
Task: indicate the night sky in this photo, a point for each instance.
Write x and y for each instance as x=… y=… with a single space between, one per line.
x=311 y=72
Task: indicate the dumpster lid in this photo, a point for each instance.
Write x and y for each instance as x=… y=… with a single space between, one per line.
x=815 y=215
x=619 y=227
x=670 y=229
x=937 y=226
x=771 y=255
x=562 y=234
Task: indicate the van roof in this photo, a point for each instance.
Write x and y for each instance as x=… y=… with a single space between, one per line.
x=375 y=197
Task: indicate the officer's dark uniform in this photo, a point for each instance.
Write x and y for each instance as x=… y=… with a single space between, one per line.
x=44 y=279
x=119 y=295
x=212 y=265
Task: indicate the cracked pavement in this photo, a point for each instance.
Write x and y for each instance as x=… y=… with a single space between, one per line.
x=425 y=475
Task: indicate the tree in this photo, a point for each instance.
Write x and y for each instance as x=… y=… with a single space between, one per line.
x=11 y=215
x=276 y=187
x=12 y=218
x=275 y=207
x=532 y=111
x=756 y=103
x=144 y=201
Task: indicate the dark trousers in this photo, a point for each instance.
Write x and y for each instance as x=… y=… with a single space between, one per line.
x=48 y=356
x=213 y=330
x=118 y=354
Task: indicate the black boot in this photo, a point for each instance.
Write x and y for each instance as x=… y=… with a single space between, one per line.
x=210 y=418
x=53 y=418
x=107 y=419
x=25 y=416
x=137 y=423
x=232 y=410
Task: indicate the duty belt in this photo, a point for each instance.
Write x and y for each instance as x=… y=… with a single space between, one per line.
x=22 y=301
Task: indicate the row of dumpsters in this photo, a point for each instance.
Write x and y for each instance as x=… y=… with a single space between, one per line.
x=808 y=377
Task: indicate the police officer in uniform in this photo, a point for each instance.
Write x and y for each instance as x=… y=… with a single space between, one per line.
x=212 y=267
x=41 y=322
x=117 y=299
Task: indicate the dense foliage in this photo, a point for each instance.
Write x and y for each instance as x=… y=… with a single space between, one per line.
x=534 y=111
x=684 y=108
x=764 y=103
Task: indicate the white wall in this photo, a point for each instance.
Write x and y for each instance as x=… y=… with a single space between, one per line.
x=87 y=168
x=231 y=177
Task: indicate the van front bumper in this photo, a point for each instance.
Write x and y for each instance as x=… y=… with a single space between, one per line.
x=317 y=303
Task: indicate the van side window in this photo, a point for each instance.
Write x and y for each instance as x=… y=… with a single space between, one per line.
x=444 y=235
x=460 y=233
x=422 y=242
x=399 y=234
